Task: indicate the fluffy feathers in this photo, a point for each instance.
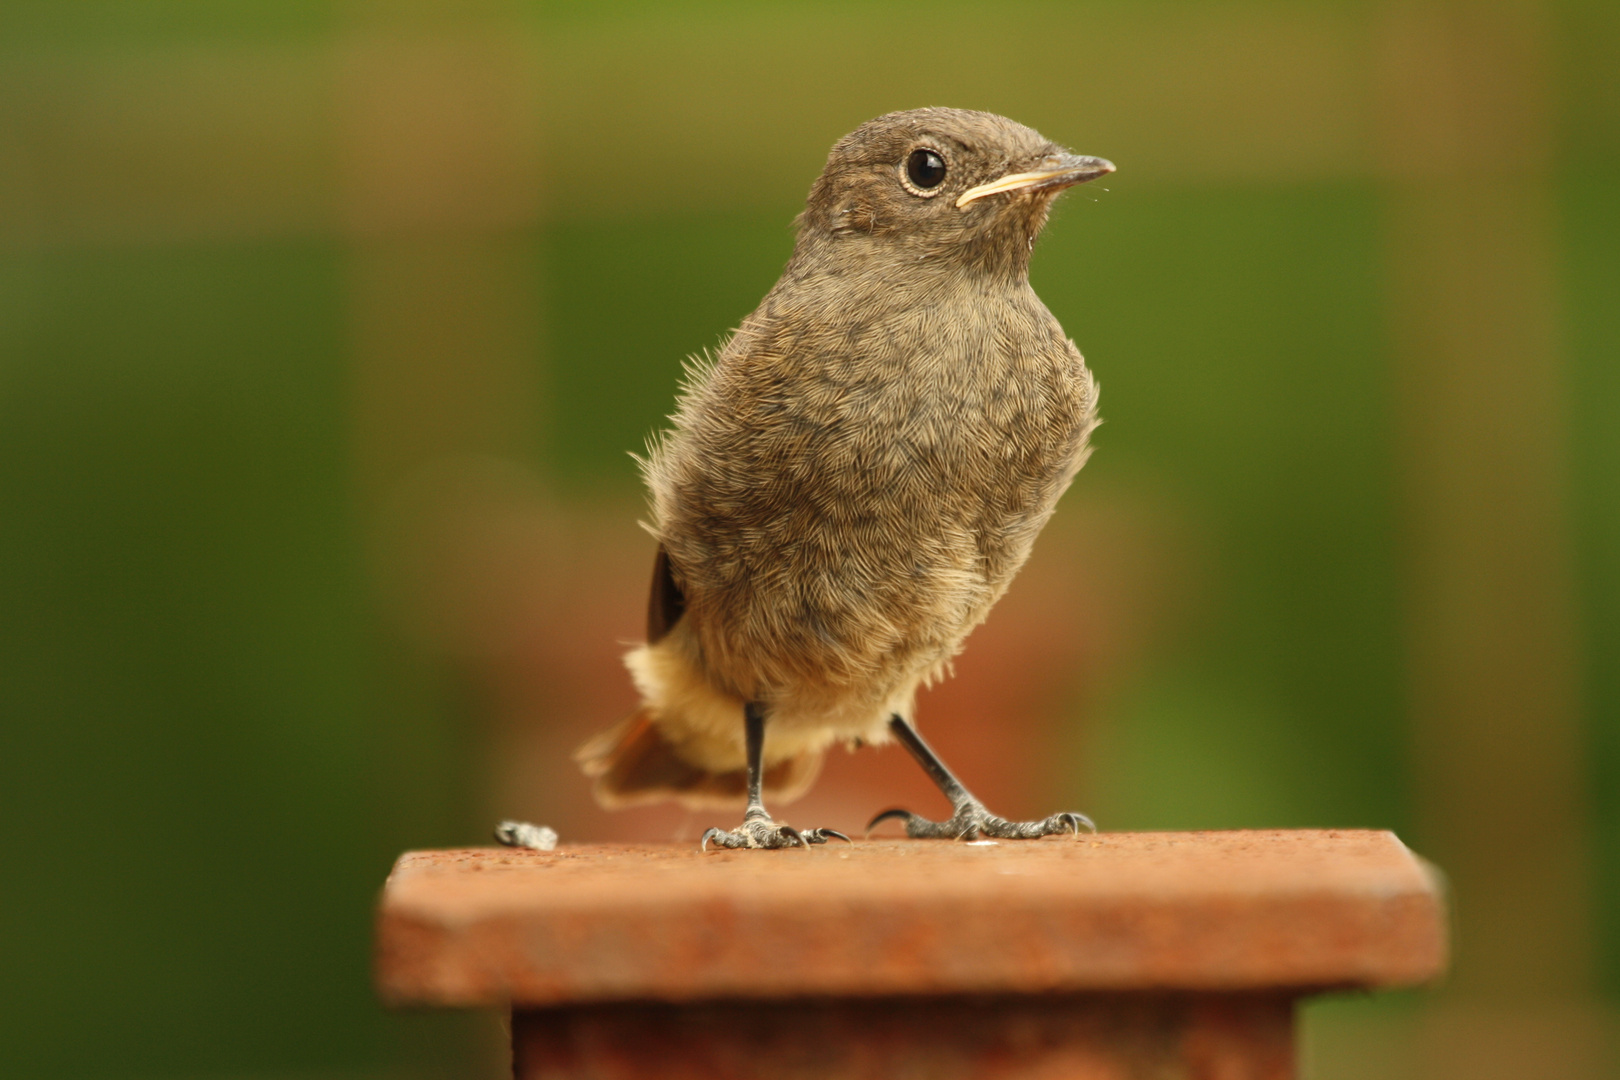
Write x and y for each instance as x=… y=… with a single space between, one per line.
x=853 y=482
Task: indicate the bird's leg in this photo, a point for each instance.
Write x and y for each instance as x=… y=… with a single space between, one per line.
x=757 y=829
x=971 y=820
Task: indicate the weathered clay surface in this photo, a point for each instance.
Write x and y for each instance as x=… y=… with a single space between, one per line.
x=1222 y=911
x=1074 y=1037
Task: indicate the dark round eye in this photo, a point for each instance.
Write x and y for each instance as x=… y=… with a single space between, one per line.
x=925 y=168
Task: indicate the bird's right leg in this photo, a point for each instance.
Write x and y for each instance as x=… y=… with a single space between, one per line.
x=971 y=820
x=757 y=829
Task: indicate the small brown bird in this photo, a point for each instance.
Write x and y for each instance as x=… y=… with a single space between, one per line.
x=855 y=479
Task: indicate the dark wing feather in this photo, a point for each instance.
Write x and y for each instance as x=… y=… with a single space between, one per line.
x=665 y=604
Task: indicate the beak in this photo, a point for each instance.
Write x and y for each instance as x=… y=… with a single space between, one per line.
x=1057 y=171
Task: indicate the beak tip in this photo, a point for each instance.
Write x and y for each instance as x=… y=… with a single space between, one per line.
x=1094 y=167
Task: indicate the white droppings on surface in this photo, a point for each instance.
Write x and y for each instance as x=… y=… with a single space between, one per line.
x=521 y=834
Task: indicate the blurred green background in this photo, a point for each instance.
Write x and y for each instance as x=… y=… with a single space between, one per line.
x=325 y=327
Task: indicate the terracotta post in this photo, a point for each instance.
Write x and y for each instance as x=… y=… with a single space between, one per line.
x=1120 y=955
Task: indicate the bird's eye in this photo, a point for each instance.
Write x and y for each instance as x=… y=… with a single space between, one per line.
x=925 y=169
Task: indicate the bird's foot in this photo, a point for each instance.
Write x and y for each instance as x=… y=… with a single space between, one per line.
x=972 y=821
x=762 y=832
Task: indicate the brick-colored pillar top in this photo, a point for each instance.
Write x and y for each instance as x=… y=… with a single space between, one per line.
x=1209 y=911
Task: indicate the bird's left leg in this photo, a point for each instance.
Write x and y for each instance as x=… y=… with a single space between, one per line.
x=971 y=820
x=757 y=829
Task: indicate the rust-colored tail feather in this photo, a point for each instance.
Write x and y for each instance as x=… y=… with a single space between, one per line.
x=633 y=764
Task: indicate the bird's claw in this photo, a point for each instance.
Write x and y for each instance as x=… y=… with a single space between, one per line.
x=1075 y=820
x=889 y=815
x=765 y=833
x=972 y=820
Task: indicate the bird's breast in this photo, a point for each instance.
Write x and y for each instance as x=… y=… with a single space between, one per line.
x=842 y=496
x=939 y=402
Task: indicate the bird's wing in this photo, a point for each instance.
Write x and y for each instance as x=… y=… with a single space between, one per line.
x=666 y=603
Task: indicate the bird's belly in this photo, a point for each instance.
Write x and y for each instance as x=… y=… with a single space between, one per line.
x=871 y=584
x=854 y=545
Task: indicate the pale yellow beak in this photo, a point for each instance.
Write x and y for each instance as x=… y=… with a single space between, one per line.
x=1060 y=170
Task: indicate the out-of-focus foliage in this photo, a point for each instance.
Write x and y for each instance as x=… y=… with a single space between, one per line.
x=227 y=363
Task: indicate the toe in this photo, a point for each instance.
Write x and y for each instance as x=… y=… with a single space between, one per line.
x=764 y=834
x=722 y=838
x=1075 y=822
x=896 y=814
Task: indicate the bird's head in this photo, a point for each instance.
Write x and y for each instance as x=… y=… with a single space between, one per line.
x=949 y=185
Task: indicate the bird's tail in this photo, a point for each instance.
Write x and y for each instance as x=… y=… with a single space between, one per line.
x=633 y=763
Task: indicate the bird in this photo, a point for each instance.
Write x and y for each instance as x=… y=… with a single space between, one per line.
x=853 y=480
